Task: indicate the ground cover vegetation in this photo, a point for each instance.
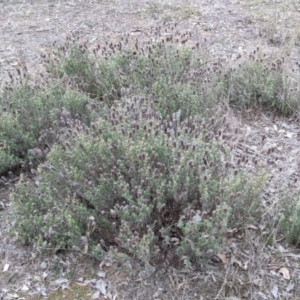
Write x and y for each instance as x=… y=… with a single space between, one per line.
x=127 y=149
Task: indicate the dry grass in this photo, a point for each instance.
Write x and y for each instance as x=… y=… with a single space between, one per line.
x=170 y=11
x=279 y=20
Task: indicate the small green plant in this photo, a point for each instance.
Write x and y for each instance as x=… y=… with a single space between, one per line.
x=258 y=84
x=291 y=221
x=7 y=160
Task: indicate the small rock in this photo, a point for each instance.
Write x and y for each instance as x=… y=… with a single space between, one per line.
x=43 y=265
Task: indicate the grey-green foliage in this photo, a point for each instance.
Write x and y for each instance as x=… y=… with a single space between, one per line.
x=26 y=112
x=175 y=77
x=258 y=84
x=178 y=77
x=144 y=180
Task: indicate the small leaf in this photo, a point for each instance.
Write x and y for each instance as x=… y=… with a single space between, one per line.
x=250 y=226
x=290 y=286
x=14 y=296
x=61 y=280
x=101 y=274
x=180 y=285
x=2 y=205
x=101 y=286
x=274 y=291
x=24 y=288
x=223 y=258
x=245 y=266
x=96 y=295
x=81 y=283
x=285 y=273
x=6 y=267
x=281 y=249
x=289 y=135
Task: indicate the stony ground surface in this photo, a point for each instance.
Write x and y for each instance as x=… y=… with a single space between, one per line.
x=224 y=28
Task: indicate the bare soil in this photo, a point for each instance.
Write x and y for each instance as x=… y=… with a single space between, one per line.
x=252 y=270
